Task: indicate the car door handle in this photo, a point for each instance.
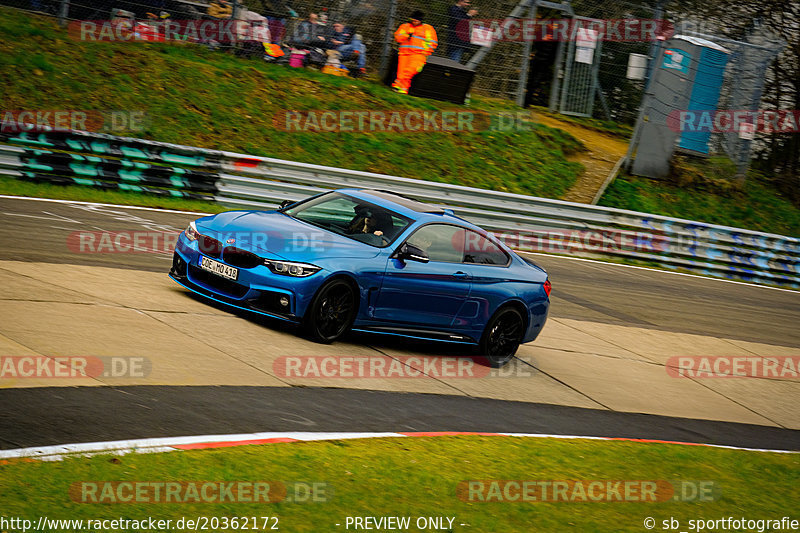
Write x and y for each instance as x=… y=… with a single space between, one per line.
x=461 y=275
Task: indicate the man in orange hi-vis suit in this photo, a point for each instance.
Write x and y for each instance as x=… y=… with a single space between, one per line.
x=417 y=41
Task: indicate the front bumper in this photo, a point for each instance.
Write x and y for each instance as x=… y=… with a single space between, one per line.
x=257 y=289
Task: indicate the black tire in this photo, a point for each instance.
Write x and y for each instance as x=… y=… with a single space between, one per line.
x=332 y=312
x=502 y=337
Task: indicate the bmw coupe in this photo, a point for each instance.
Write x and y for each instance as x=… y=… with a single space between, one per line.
x=369 y=261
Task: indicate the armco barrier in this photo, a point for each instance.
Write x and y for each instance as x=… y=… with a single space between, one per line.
x=524 y=222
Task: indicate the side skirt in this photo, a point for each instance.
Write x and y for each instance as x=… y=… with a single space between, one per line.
x=421 y=334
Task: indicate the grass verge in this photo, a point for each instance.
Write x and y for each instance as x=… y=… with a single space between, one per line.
x=756 y=206
x=214 y=100
x=420 y=477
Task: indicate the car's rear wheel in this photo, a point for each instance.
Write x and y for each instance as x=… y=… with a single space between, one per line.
x=332 y=312
x=502 y=337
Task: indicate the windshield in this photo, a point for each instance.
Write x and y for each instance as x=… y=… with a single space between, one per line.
x=357 y=219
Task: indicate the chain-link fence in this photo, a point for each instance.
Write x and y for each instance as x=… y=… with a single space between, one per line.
x=703 y=101
x=537 y=68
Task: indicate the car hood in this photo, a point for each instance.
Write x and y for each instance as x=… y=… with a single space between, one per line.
x=273 y=234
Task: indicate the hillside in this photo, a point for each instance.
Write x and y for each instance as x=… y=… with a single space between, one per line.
x=212 y=99
x=215 y=100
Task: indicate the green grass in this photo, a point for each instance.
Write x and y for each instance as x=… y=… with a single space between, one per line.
x=215 y=100
x=419 y=477
x=756 y=206
x=15 y=187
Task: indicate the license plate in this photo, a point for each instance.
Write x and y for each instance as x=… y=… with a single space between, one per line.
x=220 y=269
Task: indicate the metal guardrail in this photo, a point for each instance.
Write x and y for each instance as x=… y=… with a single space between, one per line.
x=525 y=223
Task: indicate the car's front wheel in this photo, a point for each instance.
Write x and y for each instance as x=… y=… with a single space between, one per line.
x=502 y=337
x=332 y=312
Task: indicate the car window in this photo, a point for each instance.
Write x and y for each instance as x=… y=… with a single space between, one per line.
x=351 y=217
x=441 y=242
x=478 y=249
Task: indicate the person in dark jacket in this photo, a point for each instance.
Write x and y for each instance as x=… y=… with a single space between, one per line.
x=458 y=29
x=344 y=40
x=309 y=33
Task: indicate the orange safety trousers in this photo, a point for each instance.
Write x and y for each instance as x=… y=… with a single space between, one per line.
x=408 y=66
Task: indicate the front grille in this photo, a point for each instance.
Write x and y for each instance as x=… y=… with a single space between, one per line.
x=209 y=246
x=225 y=286
x=240 y=258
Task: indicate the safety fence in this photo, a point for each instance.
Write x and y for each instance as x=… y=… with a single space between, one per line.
x=532 y=68
x=525 y=223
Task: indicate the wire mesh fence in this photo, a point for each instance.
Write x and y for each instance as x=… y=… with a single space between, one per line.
x=703 y=101
x=538 y=69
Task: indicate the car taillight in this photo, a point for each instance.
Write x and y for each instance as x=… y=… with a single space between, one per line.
x=547 y=287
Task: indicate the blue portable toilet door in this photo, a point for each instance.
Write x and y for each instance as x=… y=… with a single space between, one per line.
x=704 y=99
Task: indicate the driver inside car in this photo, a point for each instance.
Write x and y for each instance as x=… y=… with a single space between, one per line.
x=370 y=221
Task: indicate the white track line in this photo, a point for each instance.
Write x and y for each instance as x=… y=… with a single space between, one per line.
x=57 y=201
x=168 y=444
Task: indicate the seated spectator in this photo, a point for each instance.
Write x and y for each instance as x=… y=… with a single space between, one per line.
x=345 y=41
x=220 y=9
x=309 y=33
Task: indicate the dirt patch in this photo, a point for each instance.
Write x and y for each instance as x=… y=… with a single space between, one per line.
x=602 y=153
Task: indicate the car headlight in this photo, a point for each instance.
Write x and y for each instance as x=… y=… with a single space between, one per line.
x=191 y=232
x=288 y=268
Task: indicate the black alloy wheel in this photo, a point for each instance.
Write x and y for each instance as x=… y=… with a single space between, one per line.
x=502 y=337
x=332 y=312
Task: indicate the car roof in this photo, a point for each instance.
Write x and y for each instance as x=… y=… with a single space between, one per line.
x=411 y=208
x=405 y=201
x=381 y=197
x=414 y=209
x=406 y=206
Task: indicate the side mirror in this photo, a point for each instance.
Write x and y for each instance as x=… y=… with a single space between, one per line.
x=285 y=204
x=411 y=253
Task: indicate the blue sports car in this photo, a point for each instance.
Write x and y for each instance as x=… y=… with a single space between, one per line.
x=370 y=261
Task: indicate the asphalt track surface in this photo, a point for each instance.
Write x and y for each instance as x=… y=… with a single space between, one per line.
x=93 y=414
x=38 y=231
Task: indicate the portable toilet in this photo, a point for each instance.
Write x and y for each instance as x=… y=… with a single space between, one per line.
x=711 y=62
x=687 y=76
